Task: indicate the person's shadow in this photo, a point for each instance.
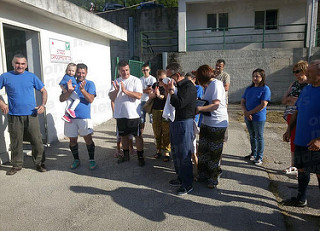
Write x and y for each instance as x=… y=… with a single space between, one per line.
x=153 y=205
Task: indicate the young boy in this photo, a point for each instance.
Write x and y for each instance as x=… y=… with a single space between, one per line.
x=147 y=81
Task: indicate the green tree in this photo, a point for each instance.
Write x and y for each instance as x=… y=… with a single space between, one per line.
x=100 y=3
x=169 y=3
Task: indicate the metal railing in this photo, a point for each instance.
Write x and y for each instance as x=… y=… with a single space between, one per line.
x=158 y=41
x=235 y=37
x=290 y=35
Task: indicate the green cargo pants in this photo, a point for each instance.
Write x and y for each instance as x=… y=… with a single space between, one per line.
x=25 y=128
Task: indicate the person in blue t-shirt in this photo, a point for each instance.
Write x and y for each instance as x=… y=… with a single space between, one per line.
x=22 y=113
x=73 y=100
x=254 y=106
x=82 y=124
x=306 y=118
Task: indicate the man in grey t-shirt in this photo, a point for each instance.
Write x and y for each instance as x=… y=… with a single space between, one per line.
x=225 y=78
x=222 y=76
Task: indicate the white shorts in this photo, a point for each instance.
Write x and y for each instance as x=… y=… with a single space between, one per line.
x=77 y=127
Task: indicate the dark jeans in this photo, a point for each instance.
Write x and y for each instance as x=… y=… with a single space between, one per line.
x=255 y=129
x=181 y=136
x=143 y=113
x=25 y=128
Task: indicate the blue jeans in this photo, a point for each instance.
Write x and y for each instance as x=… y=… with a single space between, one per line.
x=255 y=129
x=143 y=113
x=181 y=136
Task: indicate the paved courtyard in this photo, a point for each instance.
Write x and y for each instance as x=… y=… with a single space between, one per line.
x=128 y=197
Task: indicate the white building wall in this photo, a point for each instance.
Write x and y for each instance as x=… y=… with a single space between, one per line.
x=97 y=57
x=4 y=135
x=242 y=13
x=86 y=47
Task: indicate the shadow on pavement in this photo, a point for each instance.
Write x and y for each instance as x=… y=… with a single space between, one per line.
x=154 y=205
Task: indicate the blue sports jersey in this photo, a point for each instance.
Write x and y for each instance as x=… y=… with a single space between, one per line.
x=308 y=120
x=84 y=107
x=20 y=91
x=64 y=81
x=253 y=97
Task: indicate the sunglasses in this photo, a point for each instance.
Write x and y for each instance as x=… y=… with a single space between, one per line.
x=296 y=71
x=172 y=75
x=145 y=69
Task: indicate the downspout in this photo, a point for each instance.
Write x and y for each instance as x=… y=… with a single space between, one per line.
x=311 y=35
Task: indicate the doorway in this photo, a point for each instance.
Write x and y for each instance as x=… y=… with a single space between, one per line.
x=27 y=42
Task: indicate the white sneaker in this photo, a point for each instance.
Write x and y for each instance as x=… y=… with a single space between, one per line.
x=257 y=162
x=291 y=171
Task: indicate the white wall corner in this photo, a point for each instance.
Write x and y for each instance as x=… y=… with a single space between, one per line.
x=182 y=26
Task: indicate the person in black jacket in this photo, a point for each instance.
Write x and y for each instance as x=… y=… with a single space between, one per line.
x=181 y=129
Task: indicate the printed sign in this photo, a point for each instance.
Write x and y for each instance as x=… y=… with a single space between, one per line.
x=60 y=51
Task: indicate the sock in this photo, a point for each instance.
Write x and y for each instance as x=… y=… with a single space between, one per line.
x=126 y=154
x=75 y=152
x=91 y=149
x=140 y=154
x=303 y=181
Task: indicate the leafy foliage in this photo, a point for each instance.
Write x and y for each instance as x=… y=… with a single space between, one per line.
x=100 y=3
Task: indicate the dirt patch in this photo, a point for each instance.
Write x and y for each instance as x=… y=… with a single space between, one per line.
x=272 y=117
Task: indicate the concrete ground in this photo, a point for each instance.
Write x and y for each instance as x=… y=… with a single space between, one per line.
x=128 y=197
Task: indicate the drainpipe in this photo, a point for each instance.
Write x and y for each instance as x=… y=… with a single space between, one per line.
x=131 y=38
x=164 y=60
x=311 y=31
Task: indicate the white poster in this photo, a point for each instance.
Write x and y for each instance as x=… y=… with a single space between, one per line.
x=60 y=51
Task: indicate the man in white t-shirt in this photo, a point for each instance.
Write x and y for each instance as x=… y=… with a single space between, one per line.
x=147 y=81
x=126 y=92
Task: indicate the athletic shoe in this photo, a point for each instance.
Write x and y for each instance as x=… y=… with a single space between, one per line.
x=71 y=113
x=117 y=153
x=92 y=164
x=294 y=202
x=166 y=158
x=40 y=168
x=291 y=171
x=122 y=159
x=75 y=164
x=13 y=171
x=212 y=183
x=257 y=162
x=184 y=190
x=175 y=182
x=66 y=118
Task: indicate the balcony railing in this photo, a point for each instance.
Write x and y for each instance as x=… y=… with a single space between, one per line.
x=158 y=41
x=291 y=35
x=281 y=36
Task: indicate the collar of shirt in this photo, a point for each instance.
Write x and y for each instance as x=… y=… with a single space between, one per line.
x=182 y=82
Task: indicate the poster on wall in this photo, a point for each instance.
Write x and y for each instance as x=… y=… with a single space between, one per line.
x=60 y=51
